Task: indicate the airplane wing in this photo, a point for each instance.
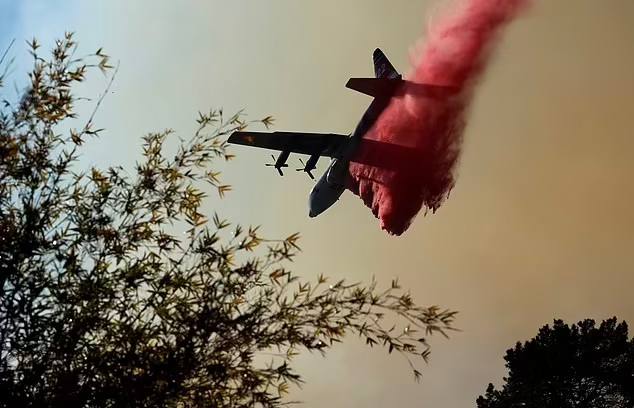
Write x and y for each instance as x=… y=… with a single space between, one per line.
x=322 y=144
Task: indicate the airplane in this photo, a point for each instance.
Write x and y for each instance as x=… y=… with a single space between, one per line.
x=340 y=148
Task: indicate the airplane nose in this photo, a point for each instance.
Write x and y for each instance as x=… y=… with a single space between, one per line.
x=312 y=213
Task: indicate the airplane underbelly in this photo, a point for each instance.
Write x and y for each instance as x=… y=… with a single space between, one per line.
x=327 y=190
x=338 y=172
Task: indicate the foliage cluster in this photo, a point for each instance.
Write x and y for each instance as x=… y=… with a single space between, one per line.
x=105 y=301
x=567 y=367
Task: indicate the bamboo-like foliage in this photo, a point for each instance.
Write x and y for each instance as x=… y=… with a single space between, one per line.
x=105 y=301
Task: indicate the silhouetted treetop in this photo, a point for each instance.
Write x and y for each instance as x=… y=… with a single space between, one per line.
x=569 y=366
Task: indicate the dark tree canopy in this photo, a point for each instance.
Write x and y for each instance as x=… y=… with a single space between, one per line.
x=565 y=366
x=117 y=290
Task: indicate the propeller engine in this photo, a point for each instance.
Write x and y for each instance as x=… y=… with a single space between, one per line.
x=310 y=165
x=280 y=162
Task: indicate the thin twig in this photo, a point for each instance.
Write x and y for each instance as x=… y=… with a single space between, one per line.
x=102 y=97
x=6 y=51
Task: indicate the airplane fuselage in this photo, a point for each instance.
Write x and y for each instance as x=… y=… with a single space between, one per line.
x=332 y=183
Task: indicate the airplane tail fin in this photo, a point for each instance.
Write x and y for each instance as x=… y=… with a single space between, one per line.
x=389 y=82
x=382 y=66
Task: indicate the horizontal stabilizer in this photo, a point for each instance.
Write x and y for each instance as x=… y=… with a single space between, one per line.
x=376 y=87
x=387 y=88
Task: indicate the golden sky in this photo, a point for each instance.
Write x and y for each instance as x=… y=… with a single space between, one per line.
x=539 y=225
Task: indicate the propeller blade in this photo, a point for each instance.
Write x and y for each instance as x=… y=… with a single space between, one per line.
x=303 y=168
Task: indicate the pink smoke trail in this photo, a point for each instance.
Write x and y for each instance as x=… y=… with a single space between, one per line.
x=458 y=47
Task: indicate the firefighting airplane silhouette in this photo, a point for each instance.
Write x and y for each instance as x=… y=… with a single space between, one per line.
x=341 y=148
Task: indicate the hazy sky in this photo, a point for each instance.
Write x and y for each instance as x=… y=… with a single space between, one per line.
x=539 y=225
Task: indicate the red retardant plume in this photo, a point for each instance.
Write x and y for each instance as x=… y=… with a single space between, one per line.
x=394 y=184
